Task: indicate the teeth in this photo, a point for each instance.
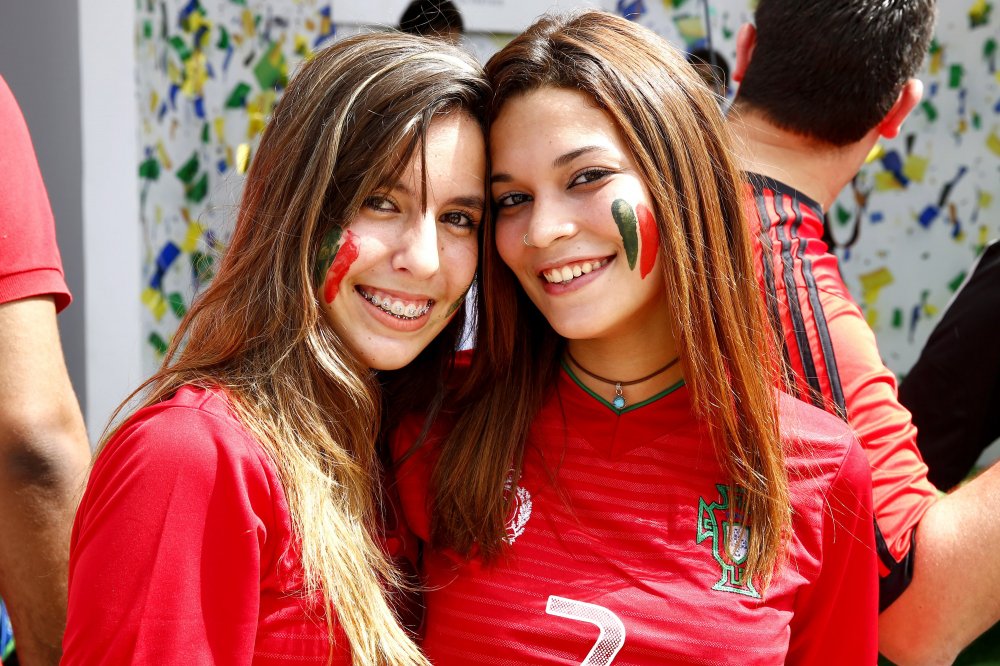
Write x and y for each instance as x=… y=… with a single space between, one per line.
x=567 y=273
x=397 y=309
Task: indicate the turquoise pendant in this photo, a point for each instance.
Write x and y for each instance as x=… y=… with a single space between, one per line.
x=619 y=401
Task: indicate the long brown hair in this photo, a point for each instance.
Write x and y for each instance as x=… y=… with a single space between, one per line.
x=680 y=145
x=348 y=124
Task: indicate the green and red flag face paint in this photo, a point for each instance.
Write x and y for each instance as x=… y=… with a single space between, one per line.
x=339 y=250
x=632 y=228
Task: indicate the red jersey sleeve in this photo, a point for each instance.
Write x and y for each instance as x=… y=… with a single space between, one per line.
x=29 y=258
x=189 y=498
x=836 y=617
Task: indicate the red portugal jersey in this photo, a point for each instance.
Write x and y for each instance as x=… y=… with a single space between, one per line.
x=627 y=545
x=833 y=362
x=183 y=550
x=29 y=258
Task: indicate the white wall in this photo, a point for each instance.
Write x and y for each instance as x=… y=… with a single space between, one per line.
x=110 y=206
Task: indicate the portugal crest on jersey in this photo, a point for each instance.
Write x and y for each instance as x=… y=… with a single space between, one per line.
x=520 y=511
x=724 y=522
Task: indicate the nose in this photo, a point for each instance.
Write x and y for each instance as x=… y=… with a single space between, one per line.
x=417 y=248
x=549 y=223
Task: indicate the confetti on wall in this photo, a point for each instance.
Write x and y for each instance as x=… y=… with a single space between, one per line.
x=210 y=71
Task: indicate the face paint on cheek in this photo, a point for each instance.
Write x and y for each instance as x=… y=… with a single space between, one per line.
x=625 y=219
x=339 y=259
x=650 y=235
x=453 y=308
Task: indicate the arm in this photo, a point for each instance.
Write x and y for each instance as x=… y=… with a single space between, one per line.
x=43 y=462
x=954 y=595
x=835 y=616
x=169 y=545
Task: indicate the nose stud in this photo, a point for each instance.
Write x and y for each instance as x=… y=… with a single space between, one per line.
x=525 y=240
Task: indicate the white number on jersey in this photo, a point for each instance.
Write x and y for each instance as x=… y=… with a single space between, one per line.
x=612 y=636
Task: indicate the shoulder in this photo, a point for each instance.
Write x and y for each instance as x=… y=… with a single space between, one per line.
x=193 y=435
x=819 y=447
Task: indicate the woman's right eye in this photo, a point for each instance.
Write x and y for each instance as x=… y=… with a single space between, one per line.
x=512 y=199
x=381 y=204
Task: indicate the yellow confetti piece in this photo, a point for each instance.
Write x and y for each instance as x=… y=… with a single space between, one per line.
x=154 y=101
x=174 y=73
x=154 y=302
x=984 y=235
x=993 y=143
x=930 y=310
x=302 y=47
x=186 y=215
x=249 y=27
x=161 y=152
x=692 y=28
x=194 y=232
x=310 y=25
x=263 y=102
x=985 y=199
x=871 y=316
x=158 y=214
x=915 y=168
x=872 y=283
x=936 y=60
x=242 y=158
x=979 y=11
x=886 y=180
x=220 y=129
x=325 y=26
x=255 y=124
x=876 y=153
x=195 y=74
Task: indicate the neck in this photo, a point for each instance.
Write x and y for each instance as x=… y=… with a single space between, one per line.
x=620 y=361
x=817 y=169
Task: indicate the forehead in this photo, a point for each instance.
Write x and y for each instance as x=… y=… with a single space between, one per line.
x=550 y=120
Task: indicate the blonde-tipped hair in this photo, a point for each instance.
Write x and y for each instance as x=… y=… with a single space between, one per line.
x=348 y=124
x=679 y=142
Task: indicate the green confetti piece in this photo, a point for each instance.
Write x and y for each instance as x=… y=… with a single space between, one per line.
x=677 y=3
x=182 y=49
x=197 y=192
x=980 y=14
x=977 y=121
x=223 y=43
x=238 y=98
x=727 y=33
x=147 y=29
x=271 y=71
x=989 y=48
x=956 y=282
x=176 y=302
x=897 y=318
x=843 y=215
x=205 y=135
x=930 y=110
x=187 y=172
x=934 y=47
x=627 y=227
x=158 y=343
x=242 y=3
x=150 y=169
x=202 y=265
x=955 y=75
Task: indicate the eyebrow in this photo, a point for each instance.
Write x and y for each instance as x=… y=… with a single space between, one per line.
x=558 y=162
x=463 y=201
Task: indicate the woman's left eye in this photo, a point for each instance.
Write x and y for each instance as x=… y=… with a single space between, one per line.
x=380 y=203
x=459 y=219
x=589 y=176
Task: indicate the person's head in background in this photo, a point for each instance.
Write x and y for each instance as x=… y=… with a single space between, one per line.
x=713 y=69
x=433 y=18
x=833 y=72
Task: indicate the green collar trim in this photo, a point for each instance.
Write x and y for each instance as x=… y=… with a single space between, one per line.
x=628 y=408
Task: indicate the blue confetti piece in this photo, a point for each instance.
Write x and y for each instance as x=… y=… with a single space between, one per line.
x=927 y=217
x=933 y=90
x=877 y=217
x=199 y=107
x=210 y=70
x=631 y=10
x=893 y=163
x=325 y=13
x=996 y=109
x=162 y=112
x=198 y=35
x=956 y=229
x=225 y=61
x=222 y=166
x=174 y=89
x=168 y=254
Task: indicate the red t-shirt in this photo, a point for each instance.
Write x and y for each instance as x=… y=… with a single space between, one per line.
x=621 y=550
x=29 y=257
x=834 y=362
x=183 y=553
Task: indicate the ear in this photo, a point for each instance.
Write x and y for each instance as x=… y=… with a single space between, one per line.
x=908 y=99
x=746 y=40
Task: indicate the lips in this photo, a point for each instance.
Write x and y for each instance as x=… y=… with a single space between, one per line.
x=570 y=271
x=401 y=308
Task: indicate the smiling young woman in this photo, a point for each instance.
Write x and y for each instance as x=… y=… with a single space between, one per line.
x=618 y=481
x=234 y=517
